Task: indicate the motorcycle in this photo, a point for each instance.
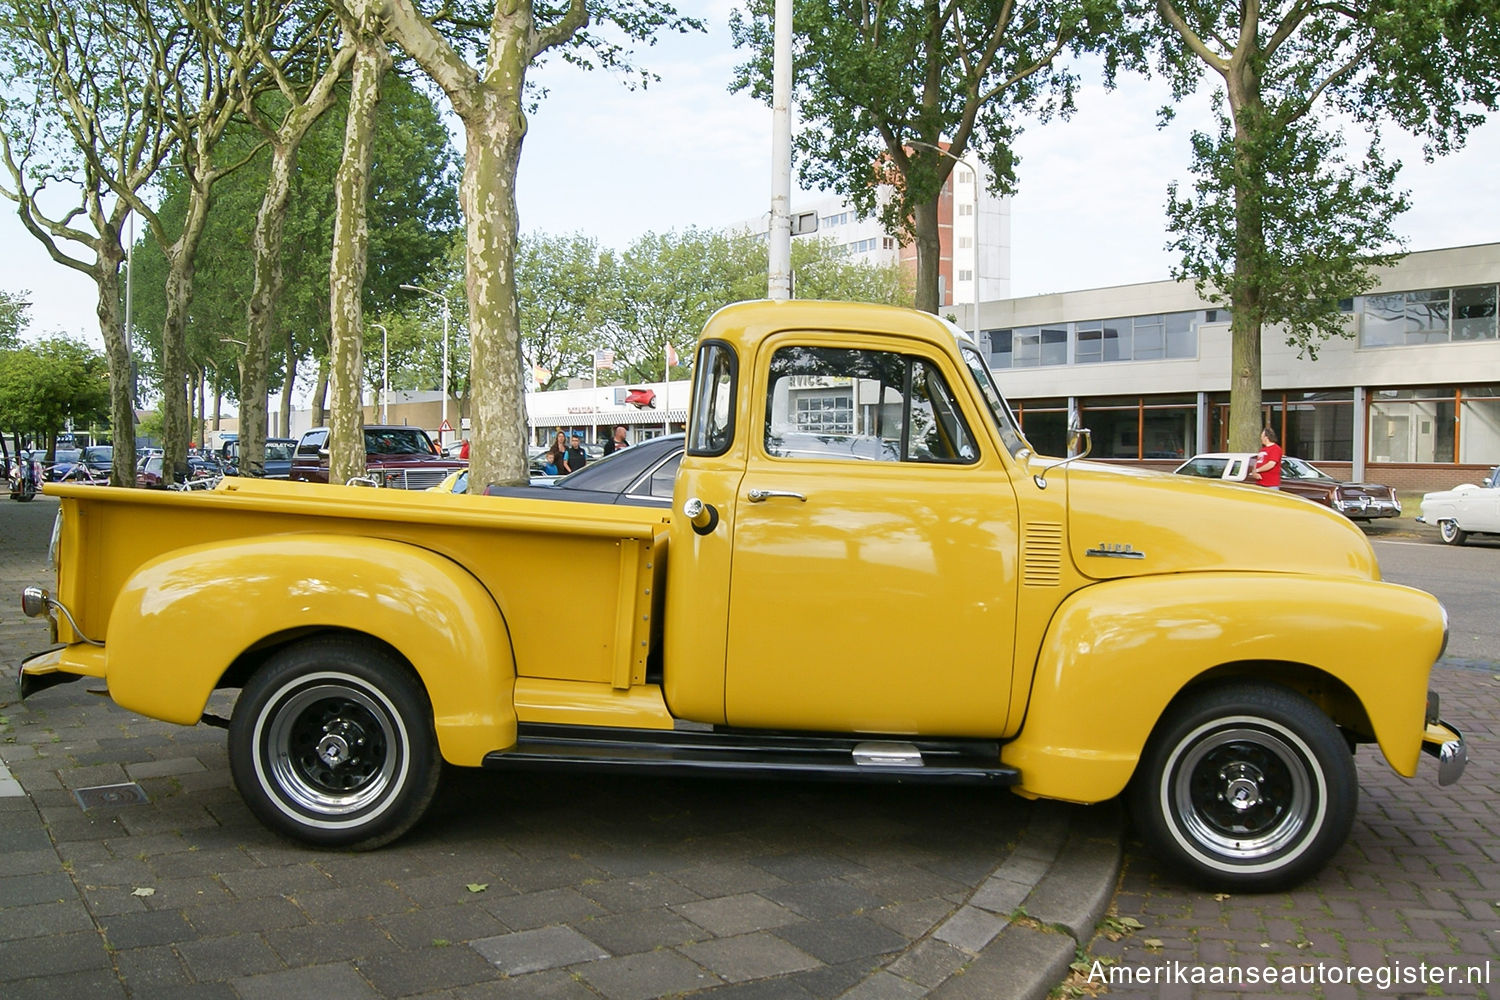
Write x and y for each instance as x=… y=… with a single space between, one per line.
x=25 y=479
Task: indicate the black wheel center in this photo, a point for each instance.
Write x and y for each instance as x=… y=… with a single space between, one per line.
x=1242 y=789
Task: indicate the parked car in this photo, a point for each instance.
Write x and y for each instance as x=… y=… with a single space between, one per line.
x=278 y=463
x=639 y=476
x=398 y=457
x=1234 y=467
x=63 y=460
x=1464 y=510
x=1356 y=501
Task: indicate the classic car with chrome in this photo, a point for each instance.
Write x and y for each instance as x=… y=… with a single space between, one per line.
x=1464 y=510
x=1356 y=501
x=866 y=573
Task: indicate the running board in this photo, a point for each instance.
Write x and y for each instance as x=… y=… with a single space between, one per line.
x=751 y=754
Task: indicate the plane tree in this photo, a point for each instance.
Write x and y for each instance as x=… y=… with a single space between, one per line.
x=1284 y=218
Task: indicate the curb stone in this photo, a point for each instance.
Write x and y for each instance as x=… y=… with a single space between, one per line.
x=1062 y=874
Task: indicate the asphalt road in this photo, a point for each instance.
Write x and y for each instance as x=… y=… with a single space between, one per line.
x=1462 y=577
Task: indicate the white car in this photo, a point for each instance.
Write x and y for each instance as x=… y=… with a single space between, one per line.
x=1464 y=510
x=1233 y=466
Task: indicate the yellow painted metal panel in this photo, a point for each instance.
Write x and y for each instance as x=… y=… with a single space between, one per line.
x=1118 y=653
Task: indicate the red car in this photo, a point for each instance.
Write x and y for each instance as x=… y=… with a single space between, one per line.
x=1356 y=501
x=398 y=457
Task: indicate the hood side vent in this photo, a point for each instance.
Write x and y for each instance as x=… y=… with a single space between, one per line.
x=1041 y=554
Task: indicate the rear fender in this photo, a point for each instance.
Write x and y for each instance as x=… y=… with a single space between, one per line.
x=1117 y=653
x=183 y=618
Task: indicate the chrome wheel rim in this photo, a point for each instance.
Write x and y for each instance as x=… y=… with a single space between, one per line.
x=1243 y=793
x=332 y=749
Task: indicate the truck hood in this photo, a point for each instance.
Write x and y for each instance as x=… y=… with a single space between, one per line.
x=1127 y=522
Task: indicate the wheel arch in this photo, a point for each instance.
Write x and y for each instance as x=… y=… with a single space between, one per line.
x=1118 y=654
x=431 y=613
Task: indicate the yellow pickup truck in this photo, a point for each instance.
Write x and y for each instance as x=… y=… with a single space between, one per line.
x=866 y=573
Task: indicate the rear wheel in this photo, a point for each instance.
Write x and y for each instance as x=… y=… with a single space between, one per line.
x=332 y=743
x=1247 y=787
x=1451 y=533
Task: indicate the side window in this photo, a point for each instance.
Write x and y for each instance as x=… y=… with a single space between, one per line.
x=862 y=405
x=714 y=386
x=664 y=477
x=311 y=442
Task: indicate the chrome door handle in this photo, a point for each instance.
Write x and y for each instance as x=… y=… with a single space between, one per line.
x=761 y=496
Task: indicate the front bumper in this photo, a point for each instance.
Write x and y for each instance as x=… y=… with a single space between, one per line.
x=1446 y=743
x=43 y=670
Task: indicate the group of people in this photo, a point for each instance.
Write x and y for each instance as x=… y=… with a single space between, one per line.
x=567 y=455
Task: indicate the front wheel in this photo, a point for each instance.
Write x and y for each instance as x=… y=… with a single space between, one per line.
x=332 y=743
x=1451 y=534
x=1247 y=787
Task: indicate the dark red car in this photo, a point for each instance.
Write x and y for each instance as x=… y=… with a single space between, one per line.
x=1356 y=501
x=402 y=458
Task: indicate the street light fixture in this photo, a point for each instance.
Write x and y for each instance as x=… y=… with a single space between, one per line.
x=444 y=300
x=385 y=372
x=975 y=170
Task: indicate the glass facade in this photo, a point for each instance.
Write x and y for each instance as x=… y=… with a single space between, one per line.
x=1168 y=336
x=1432 y=316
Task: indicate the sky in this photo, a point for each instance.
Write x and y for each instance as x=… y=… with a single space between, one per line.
x=611 y=163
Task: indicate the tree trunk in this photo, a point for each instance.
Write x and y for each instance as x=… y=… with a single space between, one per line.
x=255 y=364
x=351 y=237
x=1247 y=312
x=929 y=255
x=320 y=394
x=181 y=265
x=121 y=405
x=487 y=194
x=288 y=385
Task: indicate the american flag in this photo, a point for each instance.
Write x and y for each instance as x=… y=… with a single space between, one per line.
x=604 y=359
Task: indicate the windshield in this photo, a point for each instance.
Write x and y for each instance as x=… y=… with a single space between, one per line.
x=1005 y=421
x=398 y=441
x=1295 y=468
x=279 y=451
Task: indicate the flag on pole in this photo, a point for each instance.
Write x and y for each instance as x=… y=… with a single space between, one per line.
x=671 y=355
x=604 y=359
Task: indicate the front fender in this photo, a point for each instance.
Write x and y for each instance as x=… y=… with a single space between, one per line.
x=184 y=617
x=1117 y=653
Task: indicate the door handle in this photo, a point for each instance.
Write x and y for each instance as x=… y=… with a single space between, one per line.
x=761 y=496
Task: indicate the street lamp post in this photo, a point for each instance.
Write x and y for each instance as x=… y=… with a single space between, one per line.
x=385 y=372
x=444 y=300
x=975 y=172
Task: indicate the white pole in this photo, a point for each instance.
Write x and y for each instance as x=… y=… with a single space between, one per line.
x=976 y=255
x=780 y=237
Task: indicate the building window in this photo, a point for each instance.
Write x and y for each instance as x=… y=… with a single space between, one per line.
x=837 y=219
x=1479 y=425
x=965 y=275
x=1412 y=425
x=862 y=246
x=887 y=243
x=966 y=208
x=965 y=242
x=1044 y=422
x=966 y=177
x=1433 y=316
x=1159 y=427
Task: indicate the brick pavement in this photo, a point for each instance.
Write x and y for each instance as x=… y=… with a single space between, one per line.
x=1417 y=887
x=514 y=886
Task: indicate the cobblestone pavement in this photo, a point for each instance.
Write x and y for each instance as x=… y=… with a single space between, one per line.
x=514 y=886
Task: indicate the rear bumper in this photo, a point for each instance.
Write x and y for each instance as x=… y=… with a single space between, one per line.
x=1446 y=743
x=42 y=671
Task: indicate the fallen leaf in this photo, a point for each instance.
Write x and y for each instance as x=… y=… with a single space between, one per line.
x=1221 y=896
x=477 y=886
x=1152 y=943
x=143 y=891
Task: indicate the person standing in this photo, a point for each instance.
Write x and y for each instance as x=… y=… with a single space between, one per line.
x=557 y=455
x=1267 y=469
x=618 y=442
x=577 y=457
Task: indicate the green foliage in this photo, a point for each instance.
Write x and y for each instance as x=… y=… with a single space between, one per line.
x=563 y=284
x=1282 y=223
x=874 y=77
x=13 y=318
x=413 y=212
x=664 y=287
x=44 y=385
x=1321 y=218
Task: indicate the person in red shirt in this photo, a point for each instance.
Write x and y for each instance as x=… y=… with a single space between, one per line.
x=1267 y=469
x=463 y=450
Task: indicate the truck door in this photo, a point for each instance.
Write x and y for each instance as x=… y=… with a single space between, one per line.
x=872 y=585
